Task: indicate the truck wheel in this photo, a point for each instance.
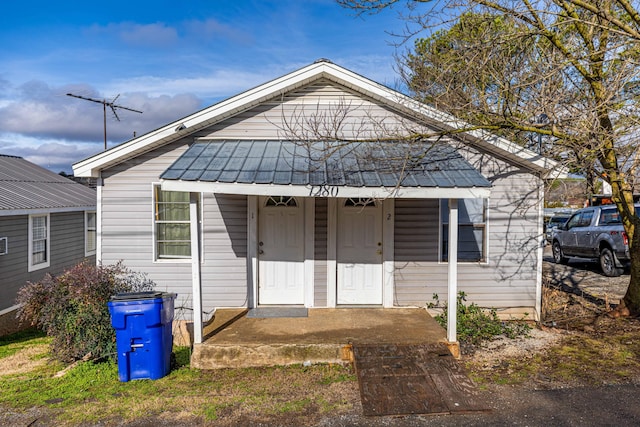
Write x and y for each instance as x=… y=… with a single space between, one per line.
x=608 y=263
x=558 y=257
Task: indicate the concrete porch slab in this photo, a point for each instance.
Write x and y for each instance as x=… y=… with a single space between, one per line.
x=233 y=340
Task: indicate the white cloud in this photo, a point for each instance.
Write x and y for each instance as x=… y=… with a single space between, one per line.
x=213 y=28
x=55 y=155
x=38 y=110
x=157 y=34
x=221 y=83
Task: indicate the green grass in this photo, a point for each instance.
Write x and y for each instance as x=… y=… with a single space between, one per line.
x=91 y=392
x=13 y=343
x=577 y=360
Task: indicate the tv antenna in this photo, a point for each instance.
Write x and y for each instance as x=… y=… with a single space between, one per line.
x=105 y=103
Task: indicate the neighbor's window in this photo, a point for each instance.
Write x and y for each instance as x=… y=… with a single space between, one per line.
x=172 y=226
x=471 y=229
x=38 y=242
x=90 y=233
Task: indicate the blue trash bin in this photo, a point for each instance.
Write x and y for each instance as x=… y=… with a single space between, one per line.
x=142 y=322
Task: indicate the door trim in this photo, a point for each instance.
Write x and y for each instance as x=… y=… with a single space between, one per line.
x=252 y=251
x=388 y=265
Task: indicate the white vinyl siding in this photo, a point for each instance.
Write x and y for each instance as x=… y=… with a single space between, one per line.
x=128 y=234
x=39 y=242
x=293 y=115
x=506 y=281
x=90 y=233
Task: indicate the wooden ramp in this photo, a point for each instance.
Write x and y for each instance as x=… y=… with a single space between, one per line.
x=413 y=379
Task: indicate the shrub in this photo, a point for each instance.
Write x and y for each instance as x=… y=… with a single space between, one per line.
x=72 y=307
x=475 y=324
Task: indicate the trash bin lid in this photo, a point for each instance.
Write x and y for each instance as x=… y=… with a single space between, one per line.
x=132 y=296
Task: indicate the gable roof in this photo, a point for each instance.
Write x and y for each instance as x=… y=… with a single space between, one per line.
x=26 y=188
x=318 y=70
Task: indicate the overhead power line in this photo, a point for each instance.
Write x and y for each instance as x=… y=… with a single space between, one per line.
x=105 y=103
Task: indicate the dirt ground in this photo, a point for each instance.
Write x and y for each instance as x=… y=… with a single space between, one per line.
x=576 y=298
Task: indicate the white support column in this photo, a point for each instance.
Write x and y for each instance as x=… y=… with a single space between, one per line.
x=388 y=265
x=252 y=251
x=452 y=272
x=99 y=207
x=195 y=267
x=537 y=316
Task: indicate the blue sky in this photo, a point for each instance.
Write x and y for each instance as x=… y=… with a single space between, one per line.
x=165 y=58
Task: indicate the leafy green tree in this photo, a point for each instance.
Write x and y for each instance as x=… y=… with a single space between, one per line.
x=566 y=70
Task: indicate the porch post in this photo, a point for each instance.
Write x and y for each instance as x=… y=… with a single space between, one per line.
x=99 y=207
x=195 y=268
x=452 y=271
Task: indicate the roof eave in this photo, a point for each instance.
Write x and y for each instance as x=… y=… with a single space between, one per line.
x=45 y=210
x=91 y=167
x=337 y=191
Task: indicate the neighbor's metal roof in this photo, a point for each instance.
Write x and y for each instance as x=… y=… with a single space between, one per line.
x=25 y=186
x=370 y=164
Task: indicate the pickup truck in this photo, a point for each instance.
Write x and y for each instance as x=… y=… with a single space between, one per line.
x=594 y=232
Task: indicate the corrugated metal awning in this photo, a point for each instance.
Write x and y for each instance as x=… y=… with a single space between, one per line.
x=355 y=169
x=28 y=188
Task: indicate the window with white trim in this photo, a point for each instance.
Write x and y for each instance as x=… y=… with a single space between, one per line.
x=172 y=225
x=39 y=244
x=90 y=233
x=472 y=236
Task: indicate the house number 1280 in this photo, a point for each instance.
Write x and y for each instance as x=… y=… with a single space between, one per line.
x=323 y=191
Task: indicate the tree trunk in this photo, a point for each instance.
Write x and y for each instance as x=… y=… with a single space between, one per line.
x=630 y=304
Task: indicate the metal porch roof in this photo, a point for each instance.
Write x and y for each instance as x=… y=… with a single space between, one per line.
x=361 y=164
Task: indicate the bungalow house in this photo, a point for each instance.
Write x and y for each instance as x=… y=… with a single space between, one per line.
x=320 y=189
x=47 y=224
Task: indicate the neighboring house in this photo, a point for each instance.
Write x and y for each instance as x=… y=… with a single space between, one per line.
x=259 y=201
x=47 y=224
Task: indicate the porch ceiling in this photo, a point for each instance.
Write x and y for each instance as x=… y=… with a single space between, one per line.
x=324 y=169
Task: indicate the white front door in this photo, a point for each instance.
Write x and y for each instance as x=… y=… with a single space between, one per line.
x=359 y=252
x=281 y=250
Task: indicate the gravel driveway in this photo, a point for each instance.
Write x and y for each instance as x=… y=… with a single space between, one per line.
x=585 y=279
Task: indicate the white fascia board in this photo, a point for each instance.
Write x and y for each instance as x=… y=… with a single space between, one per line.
x=328 y=191
x=40 y=211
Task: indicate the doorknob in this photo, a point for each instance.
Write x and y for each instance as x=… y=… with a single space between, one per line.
x=379 y=252
x=260 y=251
